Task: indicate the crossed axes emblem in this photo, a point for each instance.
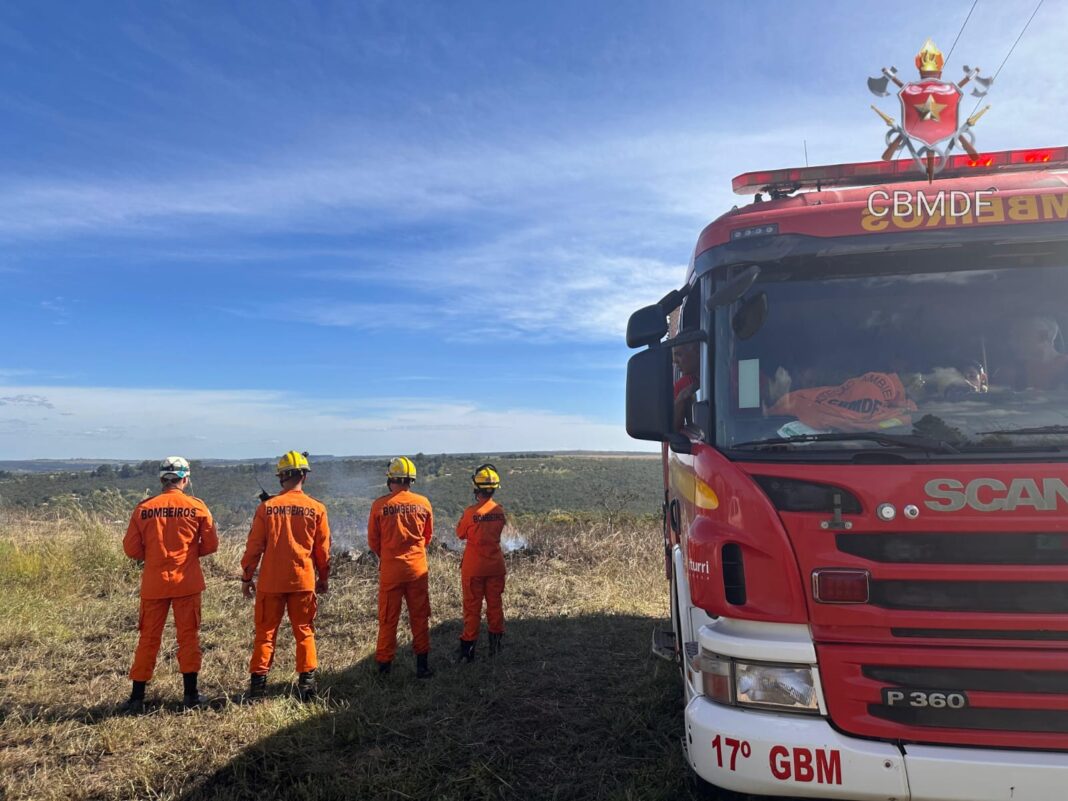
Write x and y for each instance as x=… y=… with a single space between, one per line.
x=929 y=158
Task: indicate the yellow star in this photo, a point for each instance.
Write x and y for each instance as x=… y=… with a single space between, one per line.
x=929 y=109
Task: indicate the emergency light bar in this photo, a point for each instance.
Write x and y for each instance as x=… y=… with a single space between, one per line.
x=872 y=172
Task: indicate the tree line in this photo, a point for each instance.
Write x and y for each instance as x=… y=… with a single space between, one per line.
x=532 y=485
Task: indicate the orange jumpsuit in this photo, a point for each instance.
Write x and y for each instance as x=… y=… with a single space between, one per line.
x=169 y=533
x=399 y=529
x=292 y=534
x=482 y=569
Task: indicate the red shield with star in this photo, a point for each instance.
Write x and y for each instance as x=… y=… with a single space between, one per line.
x=930 y=110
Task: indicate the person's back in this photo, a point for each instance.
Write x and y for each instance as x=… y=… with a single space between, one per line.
x=399 y=528
x=169 y=532
x=402 y=527
x=290 y=533
x=481 y=526
x=295 y=541
x=482 y=570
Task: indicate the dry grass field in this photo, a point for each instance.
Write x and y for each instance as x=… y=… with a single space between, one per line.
x=574 y=708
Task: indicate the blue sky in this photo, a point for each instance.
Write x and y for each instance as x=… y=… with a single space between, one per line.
x=376 y=227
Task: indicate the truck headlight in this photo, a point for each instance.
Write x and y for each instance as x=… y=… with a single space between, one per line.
x=781 y=686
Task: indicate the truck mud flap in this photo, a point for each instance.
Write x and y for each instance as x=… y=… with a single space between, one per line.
x=664 y=643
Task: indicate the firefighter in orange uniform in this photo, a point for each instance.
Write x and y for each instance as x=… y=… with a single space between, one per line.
x=482 y=569
x=399 y=529
x=291 y=533
x=169 y=533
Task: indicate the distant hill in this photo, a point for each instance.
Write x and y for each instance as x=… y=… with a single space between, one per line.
x=88 y=464
x=52 y=465
x=533 y=484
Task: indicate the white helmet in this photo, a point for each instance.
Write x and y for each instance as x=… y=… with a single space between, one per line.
x=174 y=467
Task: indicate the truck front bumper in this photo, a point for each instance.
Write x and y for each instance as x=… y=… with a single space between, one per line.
x=775 y=754
x=793 y=755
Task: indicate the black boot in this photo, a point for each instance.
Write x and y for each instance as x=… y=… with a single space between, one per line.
x=495 y=643
x=135 y=705
x=257 y=686
x=422 y=669
x=192 y=699
x=307 y=686
x=384 y=668
x=467 y=650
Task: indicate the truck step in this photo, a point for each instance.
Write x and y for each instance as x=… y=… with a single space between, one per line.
x=664 y=643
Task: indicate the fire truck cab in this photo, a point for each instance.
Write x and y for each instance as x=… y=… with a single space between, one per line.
x=862 y=395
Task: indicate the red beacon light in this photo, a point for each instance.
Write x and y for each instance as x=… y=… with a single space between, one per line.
x=1037 y=157
x=866 y=173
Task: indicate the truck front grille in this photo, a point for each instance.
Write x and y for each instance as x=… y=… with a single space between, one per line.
x=1025 y=597
x=991 y=680
x=1008 y=720
x=1004 y=697
x=934 y=548
x=1036 y=635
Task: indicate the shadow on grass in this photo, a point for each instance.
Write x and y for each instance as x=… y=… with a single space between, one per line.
x=72 y=713
x=573 y=708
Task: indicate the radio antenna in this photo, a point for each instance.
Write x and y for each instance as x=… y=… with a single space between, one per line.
x=264 y=494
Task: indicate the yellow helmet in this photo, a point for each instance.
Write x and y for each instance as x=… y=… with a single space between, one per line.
x=401 y=467
x=293 y=460
x=486 y=477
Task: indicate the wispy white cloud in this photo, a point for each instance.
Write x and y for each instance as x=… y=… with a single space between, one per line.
x=59 y=308
x=401 y=181
x=567 y=237
x=11 y=373
x=557 y=233
x=537 y=297
x=24 y=399
x=563 y=236
x=662 y=162
x=109 y=422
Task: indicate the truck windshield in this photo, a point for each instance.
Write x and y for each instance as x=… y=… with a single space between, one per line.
x=947 y=351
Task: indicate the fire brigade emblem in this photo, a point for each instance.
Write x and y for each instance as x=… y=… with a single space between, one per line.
x=929 y=110
x=931 y=124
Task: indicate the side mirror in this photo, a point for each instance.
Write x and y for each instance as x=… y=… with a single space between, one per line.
x=647 y=326
x=735 y=288
x=650 y=405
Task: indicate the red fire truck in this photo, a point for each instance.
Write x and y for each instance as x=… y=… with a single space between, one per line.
x=863 y=400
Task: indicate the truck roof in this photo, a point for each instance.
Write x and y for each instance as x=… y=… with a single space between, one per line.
x=883 y=209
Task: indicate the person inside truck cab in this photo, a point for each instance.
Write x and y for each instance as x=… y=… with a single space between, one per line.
x=960 y=383
x=687 y=359
x=1039 y=365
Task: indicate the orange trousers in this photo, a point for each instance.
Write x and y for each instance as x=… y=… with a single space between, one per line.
x=475 y=589
x=416 y=594
x=150 y=625
x=270 y=607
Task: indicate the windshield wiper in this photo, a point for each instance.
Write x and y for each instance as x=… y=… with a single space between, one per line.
x=899 y=440
x=1035 y=430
